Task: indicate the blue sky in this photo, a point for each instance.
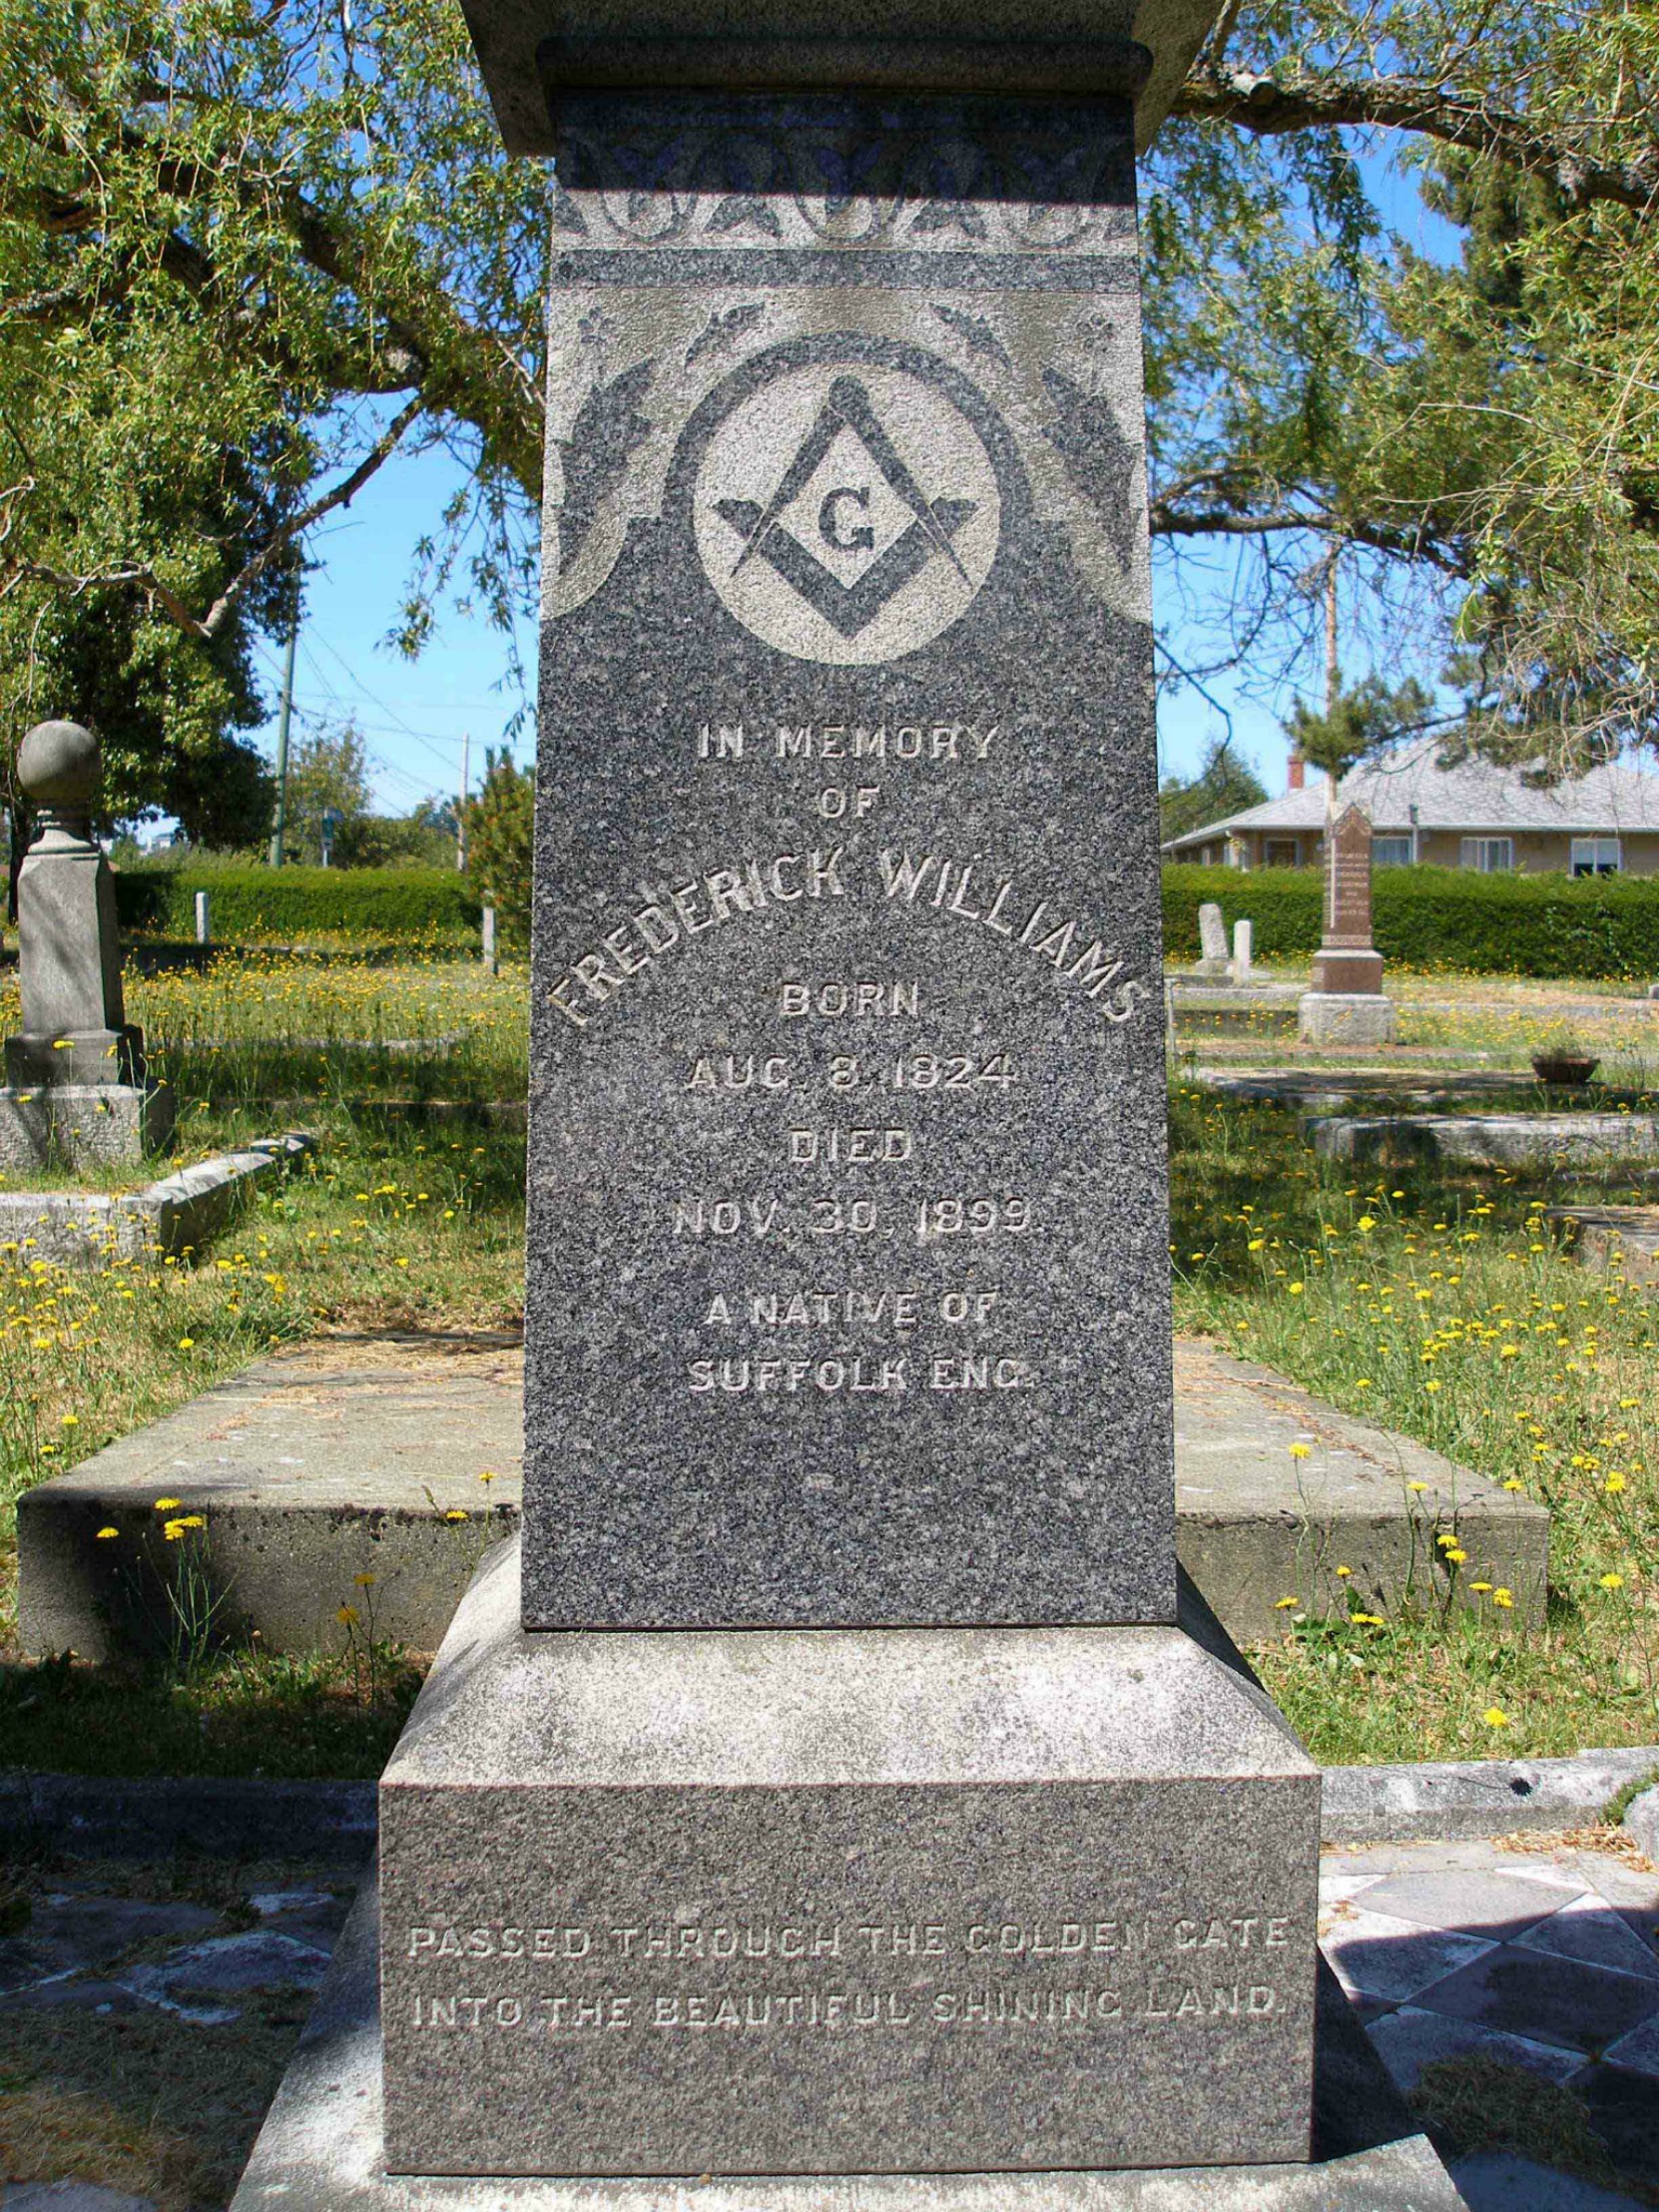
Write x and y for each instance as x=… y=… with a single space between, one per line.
x=416 y=716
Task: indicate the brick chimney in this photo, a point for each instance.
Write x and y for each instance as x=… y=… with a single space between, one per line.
x=1296 y=773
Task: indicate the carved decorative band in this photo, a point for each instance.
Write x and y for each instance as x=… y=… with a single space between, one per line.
x=598 y=61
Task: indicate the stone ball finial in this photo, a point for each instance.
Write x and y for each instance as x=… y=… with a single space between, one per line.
x=60 y=766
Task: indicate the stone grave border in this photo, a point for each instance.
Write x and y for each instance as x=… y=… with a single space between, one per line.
x=181 y=1213
x=95 y=1817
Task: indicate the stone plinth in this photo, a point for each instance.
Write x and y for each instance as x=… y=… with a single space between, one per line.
x=1347 y=974
x=843 y=1902
x=1346 y=1017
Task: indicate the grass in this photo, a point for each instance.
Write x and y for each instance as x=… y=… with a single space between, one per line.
x=396 y=1224
x=1431 y=1301
x=1439 y=1303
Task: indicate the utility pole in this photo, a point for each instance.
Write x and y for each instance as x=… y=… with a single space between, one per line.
x=283 y=746
x=460 y=811
x=1333 y=682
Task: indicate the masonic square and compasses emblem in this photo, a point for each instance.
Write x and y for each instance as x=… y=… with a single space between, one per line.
x=847 y=514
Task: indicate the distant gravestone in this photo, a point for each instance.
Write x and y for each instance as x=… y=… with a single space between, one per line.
x=1345 y=1003
x=486 y=933
x=76 y=1083
x=1212 y=941
x=204 y=927
x=1243 y=951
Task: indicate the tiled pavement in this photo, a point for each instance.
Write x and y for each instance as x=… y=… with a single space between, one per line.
x=1544 y=1961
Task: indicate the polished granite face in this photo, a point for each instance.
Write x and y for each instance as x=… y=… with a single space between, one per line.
x=849 y=1270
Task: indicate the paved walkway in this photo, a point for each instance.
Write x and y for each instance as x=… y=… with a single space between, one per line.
x=1515 y=1996
x=1514 y=1992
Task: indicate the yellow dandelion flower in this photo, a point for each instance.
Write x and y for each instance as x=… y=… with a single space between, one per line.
x=1614 y=1483
x=70 y=1420
x=348 y=1616
x=1612 y=1582
x=457 y=1513
x=1495 y=1717
x=186 y=1344
x=363 y=1581
x=105 y=1533
x=1503 y=1597
x=167 y=1504
x=1483 y=1587
x=1342 y=1573
x=1455 y=1554
x=1301 y=1451
x=1283 y=1605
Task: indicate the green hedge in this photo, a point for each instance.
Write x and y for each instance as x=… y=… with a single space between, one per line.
x=284 y=906
x=1603 y=928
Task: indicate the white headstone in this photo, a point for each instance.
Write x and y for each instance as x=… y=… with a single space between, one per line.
x=203 y=926
x=1243 y=951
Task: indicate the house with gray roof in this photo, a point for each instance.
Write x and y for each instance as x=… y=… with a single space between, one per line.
x=1477 y=814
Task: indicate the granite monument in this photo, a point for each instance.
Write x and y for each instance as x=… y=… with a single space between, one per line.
x=834 y=1781
x=76 y=1083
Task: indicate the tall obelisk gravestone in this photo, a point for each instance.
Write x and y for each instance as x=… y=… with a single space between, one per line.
x=847 y=1798
x=1345 y=1004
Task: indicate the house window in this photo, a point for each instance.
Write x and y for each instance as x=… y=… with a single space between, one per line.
x=1492 y=855
x=1391 y=852
x=1595 y=856
x=1281 y=852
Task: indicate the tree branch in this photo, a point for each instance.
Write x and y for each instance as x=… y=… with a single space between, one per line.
x=1171 y=521
x=1269 y=105
x=204 y=628
x=341 y=496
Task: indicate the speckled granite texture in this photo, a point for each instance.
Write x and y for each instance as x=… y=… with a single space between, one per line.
x=821 y=1902
x=849 y=1284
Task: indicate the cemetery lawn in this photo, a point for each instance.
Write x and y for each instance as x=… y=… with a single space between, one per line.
x=1435 y=1301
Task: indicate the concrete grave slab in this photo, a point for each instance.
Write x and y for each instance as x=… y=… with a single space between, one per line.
x=1567 y=1143
x=316 y=1466
x=1612 y=1239
x=310 y=1469
x=1275 y=1491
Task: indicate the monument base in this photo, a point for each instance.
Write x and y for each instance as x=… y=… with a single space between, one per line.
x=77 y=1056
x=321 y=2147
x=1346 y=1017
x=842 y=1900
x=84 y=1123
x=1345 y=973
